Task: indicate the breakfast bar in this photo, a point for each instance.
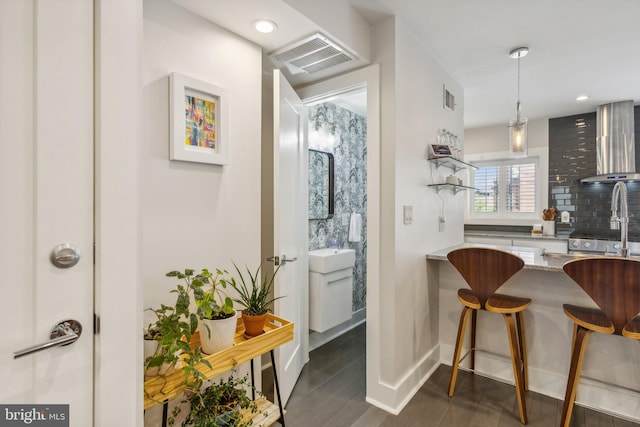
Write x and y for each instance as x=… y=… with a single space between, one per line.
x=610 y=379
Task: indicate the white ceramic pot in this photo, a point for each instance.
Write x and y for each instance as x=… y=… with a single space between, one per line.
x=219 y=335
x=549 y=228
x=150 y=348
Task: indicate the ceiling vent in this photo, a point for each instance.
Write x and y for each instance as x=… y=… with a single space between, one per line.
x=311 y=54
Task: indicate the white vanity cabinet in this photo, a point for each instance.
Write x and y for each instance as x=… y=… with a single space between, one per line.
x=331 y=298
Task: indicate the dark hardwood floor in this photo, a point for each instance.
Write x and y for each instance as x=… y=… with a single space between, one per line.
x=331 y=393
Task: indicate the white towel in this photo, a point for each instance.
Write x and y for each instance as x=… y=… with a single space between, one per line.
x=355 y=227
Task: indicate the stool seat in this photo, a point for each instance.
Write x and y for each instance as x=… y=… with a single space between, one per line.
x=593 y=319
x=613 y=283
x=496 y=303
x=485 y=270
x=632 y=329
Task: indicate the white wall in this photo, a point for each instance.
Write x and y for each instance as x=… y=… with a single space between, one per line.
x=412 y=113
x=495 y=138
x=491 y=142
x=197 y=215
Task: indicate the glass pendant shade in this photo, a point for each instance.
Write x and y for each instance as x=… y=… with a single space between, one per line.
x=518 y=138
x=518 y=127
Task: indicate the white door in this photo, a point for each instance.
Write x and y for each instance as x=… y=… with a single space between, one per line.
x=46 y=199
x=290 y=228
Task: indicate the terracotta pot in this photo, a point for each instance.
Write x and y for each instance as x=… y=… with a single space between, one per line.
x=253 y=325
x=219 y=335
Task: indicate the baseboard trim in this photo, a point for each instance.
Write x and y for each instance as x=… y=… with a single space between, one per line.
x=593 y=394
x=317 y=339
x=403 y=391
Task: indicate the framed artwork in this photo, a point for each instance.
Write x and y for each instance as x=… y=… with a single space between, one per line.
x=198 y=121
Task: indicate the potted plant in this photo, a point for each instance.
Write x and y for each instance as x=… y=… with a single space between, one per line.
x=172 y=333
x=220 y=404
x=256 y=297
x=217 y=324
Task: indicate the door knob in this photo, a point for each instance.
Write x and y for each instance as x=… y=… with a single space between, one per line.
x=64 y=333
x=65 y=255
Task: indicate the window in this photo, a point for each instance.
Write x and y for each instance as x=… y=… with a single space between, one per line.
x=505 y=188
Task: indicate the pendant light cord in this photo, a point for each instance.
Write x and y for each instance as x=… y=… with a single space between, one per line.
x=518 y=102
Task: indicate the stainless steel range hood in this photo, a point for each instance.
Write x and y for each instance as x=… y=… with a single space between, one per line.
x=615 y=144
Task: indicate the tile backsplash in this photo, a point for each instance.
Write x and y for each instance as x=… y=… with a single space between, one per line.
x=572 y=155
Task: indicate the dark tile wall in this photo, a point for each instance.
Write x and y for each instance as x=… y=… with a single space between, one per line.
x=572 y=155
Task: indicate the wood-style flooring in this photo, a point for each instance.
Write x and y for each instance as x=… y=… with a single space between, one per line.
x=331 y=393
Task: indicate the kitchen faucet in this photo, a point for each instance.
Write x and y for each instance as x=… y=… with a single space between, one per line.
x=620 y=223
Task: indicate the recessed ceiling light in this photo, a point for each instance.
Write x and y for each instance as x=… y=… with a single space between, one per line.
x=265 y=26
x=582 y=98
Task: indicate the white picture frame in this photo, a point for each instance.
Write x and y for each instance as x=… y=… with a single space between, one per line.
x=198 y=121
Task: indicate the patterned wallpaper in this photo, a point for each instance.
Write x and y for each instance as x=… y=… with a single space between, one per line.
x=344 y=134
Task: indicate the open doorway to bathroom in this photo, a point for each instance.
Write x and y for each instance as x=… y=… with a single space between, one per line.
x=337 y=125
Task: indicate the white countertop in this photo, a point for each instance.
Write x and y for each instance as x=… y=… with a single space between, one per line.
x=515 y=235
x=533 y=258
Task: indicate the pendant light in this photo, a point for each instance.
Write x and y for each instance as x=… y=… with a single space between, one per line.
x=518 y=127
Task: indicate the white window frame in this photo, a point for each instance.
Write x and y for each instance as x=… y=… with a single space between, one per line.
x=540 y=156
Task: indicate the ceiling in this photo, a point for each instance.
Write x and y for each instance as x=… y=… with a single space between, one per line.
x=577 y=47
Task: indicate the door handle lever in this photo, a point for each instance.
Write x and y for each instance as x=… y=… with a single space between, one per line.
x=277 y=260
x=285 y=259
x=64 y=333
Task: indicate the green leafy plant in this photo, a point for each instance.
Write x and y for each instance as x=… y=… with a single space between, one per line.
x=220 y=404
x=173 y=329
x=209 y=295
x=255 y=296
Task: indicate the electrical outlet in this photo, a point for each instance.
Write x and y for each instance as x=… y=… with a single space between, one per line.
x=441 y=221
x=407 y=214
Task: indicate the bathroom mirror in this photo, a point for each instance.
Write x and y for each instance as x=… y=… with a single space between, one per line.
x=320 y=185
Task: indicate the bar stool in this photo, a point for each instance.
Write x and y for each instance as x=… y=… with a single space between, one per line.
x=485 y=270
x=614 y=285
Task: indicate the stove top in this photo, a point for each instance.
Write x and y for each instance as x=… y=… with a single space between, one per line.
x=600 y=246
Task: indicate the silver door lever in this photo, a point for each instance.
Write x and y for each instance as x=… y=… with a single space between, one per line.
x=64 y=333
x=285 y=259
x=277 y=260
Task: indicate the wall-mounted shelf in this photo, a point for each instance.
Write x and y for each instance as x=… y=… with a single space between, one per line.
x=451 y=163
x=450 y=187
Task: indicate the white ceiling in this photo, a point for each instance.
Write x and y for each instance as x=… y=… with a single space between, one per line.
x=577 y=47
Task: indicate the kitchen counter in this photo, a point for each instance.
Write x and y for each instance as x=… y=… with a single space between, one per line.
x=548 y=333
x=534 y=258
x=514 y=235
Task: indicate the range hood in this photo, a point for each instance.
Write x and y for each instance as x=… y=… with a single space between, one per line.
x=615 y=144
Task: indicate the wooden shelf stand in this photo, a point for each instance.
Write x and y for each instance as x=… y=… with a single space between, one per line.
x=277 y=331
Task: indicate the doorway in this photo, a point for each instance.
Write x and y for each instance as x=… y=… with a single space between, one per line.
x=337 y=124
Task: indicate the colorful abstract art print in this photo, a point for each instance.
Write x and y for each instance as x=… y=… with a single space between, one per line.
x=200 y=122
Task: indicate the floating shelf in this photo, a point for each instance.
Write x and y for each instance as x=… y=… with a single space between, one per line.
x=451 y=163
x=451 y=187
x=277 y=331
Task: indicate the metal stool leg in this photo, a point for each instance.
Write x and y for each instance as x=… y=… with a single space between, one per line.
x=275 y=380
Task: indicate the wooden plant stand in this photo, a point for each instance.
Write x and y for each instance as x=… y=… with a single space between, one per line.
x=159 y=390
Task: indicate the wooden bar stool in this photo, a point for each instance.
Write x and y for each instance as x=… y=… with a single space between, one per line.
x=614 y=285
x=485 y=270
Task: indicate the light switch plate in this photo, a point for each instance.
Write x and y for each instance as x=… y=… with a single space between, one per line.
x=407 y=214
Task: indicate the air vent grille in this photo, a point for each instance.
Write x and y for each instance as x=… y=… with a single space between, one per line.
x=312 y=54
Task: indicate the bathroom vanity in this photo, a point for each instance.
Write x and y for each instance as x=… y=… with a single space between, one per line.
x=330 y=287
